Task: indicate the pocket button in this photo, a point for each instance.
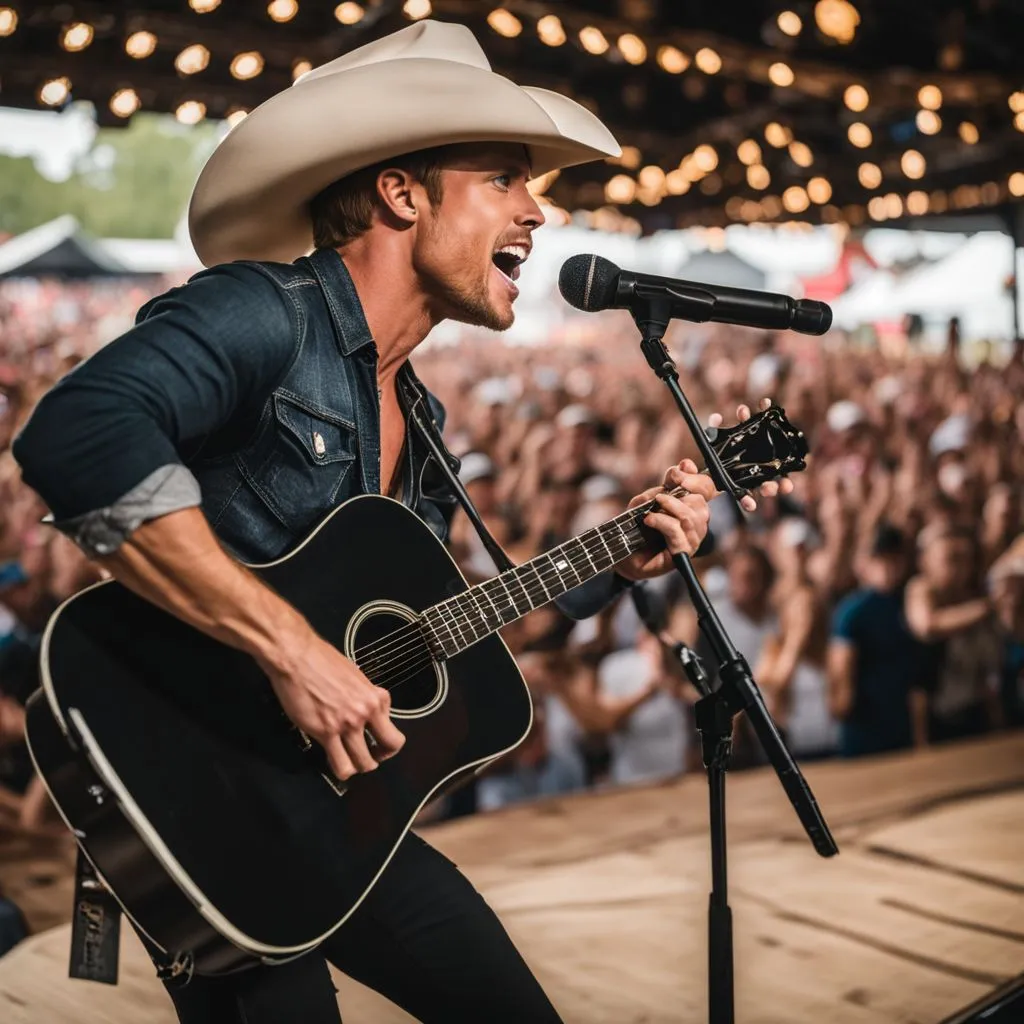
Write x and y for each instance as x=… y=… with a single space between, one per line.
x=318 y=443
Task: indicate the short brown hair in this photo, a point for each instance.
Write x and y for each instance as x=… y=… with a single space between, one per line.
x=344 y=210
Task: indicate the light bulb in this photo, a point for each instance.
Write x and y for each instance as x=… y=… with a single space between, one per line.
x=708 y=61
x=247 y=65
x=77 y=37
x=124 y=102
x=789 y=22
x=674 y=61
x=856 y=98
x=140 y=44
x=505 y=23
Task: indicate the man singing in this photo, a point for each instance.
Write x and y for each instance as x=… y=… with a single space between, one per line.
x=246 y=405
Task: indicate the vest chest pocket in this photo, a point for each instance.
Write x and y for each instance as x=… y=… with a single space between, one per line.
x=312 y=454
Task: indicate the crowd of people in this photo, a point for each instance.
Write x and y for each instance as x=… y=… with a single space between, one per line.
x=880 y=604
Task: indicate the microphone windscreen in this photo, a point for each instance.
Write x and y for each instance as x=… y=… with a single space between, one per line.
x=588 y=282
x=811 y=317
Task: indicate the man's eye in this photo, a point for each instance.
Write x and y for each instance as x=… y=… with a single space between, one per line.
x=504 y=181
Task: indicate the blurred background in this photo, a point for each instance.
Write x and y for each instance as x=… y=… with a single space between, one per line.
x=869 y=154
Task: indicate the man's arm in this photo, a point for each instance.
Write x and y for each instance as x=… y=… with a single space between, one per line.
x=929 y=623
x=176 y=563
x=97 y=442
x=841 y=668
x=103 y=447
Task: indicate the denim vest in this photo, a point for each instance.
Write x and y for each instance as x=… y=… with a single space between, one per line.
x=317 y=440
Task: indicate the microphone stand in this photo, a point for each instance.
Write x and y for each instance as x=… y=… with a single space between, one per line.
x=736 y=692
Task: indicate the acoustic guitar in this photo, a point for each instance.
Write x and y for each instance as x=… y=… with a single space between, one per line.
x=215 y=824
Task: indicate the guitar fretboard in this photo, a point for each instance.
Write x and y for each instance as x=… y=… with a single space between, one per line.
x=459 y=622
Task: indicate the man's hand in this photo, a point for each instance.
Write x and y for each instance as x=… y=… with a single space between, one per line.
x=683 y=521
x=327 y=696
x=771 y=487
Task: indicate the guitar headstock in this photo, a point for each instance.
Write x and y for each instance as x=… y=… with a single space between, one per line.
x=765 y=447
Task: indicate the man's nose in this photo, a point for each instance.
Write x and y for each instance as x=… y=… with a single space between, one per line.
x=530 y=215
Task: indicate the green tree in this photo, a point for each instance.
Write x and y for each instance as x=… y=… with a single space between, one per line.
x=133 y=182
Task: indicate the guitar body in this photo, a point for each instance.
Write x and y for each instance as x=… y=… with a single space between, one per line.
x=169 y=757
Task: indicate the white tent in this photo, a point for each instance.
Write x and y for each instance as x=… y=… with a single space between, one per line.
x=59 y=247
x=969 y=283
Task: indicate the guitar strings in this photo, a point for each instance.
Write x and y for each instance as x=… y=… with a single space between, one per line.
x=387 y=650
x=386 y=657
x=385 y=644
x=401 y=668
x=596 y=545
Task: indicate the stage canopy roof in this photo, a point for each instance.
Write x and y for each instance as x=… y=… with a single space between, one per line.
x=766 y=110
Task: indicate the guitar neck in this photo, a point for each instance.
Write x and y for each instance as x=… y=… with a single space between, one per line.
x=459 y=622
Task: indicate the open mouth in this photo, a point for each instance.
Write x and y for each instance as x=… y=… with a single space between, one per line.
x=508 y=259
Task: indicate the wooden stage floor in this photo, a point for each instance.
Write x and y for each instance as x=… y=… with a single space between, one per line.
x=921 y=913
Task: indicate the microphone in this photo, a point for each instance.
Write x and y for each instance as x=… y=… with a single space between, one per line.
x=592 y=283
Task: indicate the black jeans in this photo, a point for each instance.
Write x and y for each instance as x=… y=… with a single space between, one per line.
x=423 y=937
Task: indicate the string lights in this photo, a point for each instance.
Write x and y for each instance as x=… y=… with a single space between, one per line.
x=912 y=163
x=837 y=19
x=968 y=132
x=192 y=59
x=819 y=190
x=749 y=152
x=140 y=45
x=856 y=98
x=632 y=48
x=800 y=153
x=869 y=175
x=776 y=135
x=417 y=9
x=672 y=60
x=708 y=60
x=505 y=23
x=859 y=135
x=247 y=65
x=124 y=102
x=790 y=23
x=282 y=10
x=55 y=92
x=550 y=30
x=758 y=177
x=708 y=169
x=76 y=37
x=593 y=40
x=349 y=13
x=190 y=112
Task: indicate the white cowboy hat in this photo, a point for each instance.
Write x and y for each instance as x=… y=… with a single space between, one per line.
x=427 y=85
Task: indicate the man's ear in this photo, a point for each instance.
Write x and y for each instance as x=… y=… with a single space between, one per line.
x=398 y=192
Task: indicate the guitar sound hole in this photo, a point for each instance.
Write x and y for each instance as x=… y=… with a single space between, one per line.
x=401 y=664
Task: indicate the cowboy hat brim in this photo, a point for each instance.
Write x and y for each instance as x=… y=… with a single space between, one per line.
x=251 y=199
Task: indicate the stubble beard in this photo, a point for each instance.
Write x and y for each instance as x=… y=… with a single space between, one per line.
x=470 y=304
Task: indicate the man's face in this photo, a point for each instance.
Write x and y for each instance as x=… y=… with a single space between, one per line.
x=485 y=207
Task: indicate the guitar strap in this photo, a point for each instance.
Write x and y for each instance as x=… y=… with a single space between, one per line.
x=428 y=429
